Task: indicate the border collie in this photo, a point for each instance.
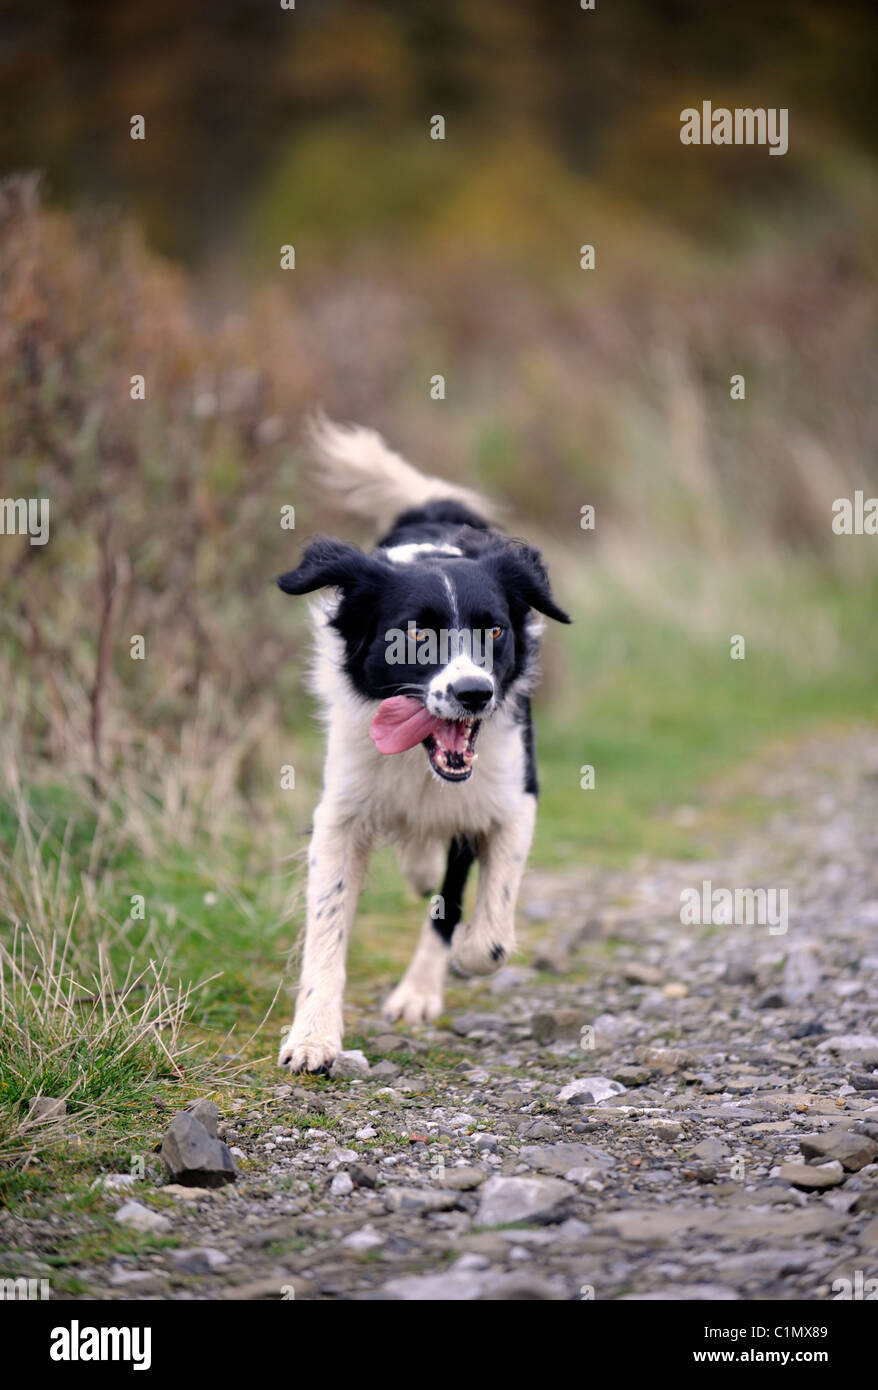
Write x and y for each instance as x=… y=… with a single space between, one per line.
x=426 y=657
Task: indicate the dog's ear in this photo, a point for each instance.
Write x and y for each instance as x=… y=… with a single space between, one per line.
x=329 y=564
x=520 y=569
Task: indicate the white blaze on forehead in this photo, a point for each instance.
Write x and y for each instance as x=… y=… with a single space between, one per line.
x=452 y=599
x=404 y=554
x=461 y=667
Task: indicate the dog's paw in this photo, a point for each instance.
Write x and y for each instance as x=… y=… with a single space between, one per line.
x=412 y=1003
x=473 y=953
x=311 y=1053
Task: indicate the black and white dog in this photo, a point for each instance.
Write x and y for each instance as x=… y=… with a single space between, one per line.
x=426 y=651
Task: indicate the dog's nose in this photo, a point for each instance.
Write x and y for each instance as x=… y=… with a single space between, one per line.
x=473 y=695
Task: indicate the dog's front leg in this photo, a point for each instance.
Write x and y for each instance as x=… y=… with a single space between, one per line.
x=337 y=860
x=481 y=946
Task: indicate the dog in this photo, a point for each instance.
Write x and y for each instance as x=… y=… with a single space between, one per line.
x=426 y=656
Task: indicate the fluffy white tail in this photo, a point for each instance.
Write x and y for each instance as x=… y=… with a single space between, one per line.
x=373 y=482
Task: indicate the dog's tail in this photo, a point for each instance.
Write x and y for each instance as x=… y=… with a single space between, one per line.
x=373 y=482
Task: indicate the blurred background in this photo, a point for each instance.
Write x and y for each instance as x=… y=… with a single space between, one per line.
x=564 y=387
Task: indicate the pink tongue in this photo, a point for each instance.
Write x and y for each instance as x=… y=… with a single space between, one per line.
x=401 y=723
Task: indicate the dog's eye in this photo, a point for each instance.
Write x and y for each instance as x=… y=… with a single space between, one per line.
x=495 y=632
x=420 y=634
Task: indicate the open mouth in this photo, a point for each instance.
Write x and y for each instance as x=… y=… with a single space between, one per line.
x=402 y=722
x=450 y=748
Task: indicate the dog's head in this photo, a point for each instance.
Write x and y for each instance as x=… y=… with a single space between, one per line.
x=439 y=636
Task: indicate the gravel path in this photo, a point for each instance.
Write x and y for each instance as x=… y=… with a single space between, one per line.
x=711 y=1134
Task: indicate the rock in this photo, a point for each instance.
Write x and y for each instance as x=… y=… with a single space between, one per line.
x=207 y=1113
x=840 y=1201
x=529 y=1128
x=739 y=972
x=589 y=1090
x=470 y=1262
x=115 y=1182
x=704 y=1173
x=511 y=977
x=811 y=1178
x=386 y=1071
x=141 y=1218
x=864 y=1081
x=646 y=1226
x=486 y=1143
x=650 y=1226
x=392 y=1042
x=537 y=910
x=711 y=1150
x=465 y=1285
x=276 y=1287
x=366 y=1238
x=868 y=1238
x=468 y=1024
x=632 y=1076
x=521 y=1287
x=583 y=1176
x=801 y=973
x=860 y=1048
x=201 y=1259
x=308 y=1100
x=419 y=1199
x=508 y=1200
x=770 y=1193
x=350 y=1066
x=812 y=1028
x=44 y=1110
x=553 y=958
x=463 y=1179
x=771 y=999
x=690 y=1293
x=342 y=1185
x=141 y=1281
x=367 y=1132
x=193 y=1157
x=459 y=1286
x=560 y=1158
x=185 y=1194
x=559 y=1023
x=852 y=1150
x=665 y=1060
x=640 y=973
x=364 y=1175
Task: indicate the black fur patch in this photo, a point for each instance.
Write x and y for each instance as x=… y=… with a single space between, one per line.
x=528 y=737
x=461 y=856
